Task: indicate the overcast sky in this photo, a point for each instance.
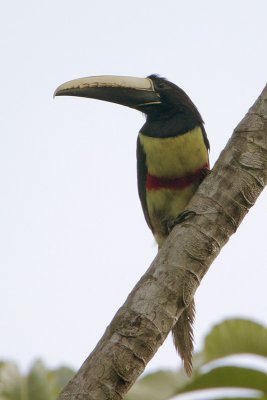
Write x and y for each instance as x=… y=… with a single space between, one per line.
x=73 y=240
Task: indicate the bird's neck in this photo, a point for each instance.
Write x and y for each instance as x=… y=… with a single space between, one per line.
x=170 y=124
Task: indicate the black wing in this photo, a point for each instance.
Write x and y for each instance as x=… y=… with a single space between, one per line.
x=141 y=179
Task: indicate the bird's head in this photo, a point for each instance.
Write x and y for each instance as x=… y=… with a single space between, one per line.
x=159 y=99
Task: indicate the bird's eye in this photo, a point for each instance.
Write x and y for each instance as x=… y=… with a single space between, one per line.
x=161 y=85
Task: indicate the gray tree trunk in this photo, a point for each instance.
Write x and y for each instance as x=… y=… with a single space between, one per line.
x=152 y=308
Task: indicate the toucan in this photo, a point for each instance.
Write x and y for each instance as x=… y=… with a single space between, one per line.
x=172 y=158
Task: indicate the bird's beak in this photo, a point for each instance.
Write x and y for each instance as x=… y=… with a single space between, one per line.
x=125 y=90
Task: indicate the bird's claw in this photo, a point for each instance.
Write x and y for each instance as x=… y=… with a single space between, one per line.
x=181 y=218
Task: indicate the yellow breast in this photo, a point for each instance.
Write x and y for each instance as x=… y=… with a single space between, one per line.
x=174 y=157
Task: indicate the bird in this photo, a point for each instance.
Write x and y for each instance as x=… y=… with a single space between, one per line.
x=172 y=159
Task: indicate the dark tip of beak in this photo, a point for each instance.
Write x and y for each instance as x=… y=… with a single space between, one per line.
x=127 y=91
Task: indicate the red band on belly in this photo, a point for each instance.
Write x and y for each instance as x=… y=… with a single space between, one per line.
x=154 y=182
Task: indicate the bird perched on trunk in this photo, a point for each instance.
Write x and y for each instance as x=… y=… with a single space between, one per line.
x=172 y=158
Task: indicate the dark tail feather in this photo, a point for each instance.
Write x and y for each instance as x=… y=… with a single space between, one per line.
x=183 y=336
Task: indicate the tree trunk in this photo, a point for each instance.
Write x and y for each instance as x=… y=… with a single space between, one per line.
x=152 y=308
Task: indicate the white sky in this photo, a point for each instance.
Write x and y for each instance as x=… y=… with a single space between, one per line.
x=73 y=240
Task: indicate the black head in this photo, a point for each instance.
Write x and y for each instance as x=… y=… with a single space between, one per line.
x=175 y=114
x=168 y=109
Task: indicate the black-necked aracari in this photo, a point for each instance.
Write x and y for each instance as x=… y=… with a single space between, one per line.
x=172 y=158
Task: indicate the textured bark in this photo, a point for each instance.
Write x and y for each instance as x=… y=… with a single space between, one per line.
x=154 y=305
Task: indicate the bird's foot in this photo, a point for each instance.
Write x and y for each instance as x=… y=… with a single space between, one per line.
x=205 y=172
x=181 y=218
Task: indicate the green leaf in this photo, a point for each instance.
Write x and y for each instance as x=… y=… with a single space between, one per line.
x=37 y=383
x=160 y=385
x=230 y=377
x=11 y=383
x=235 y=336
x=238 y=398
x=58 y=378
